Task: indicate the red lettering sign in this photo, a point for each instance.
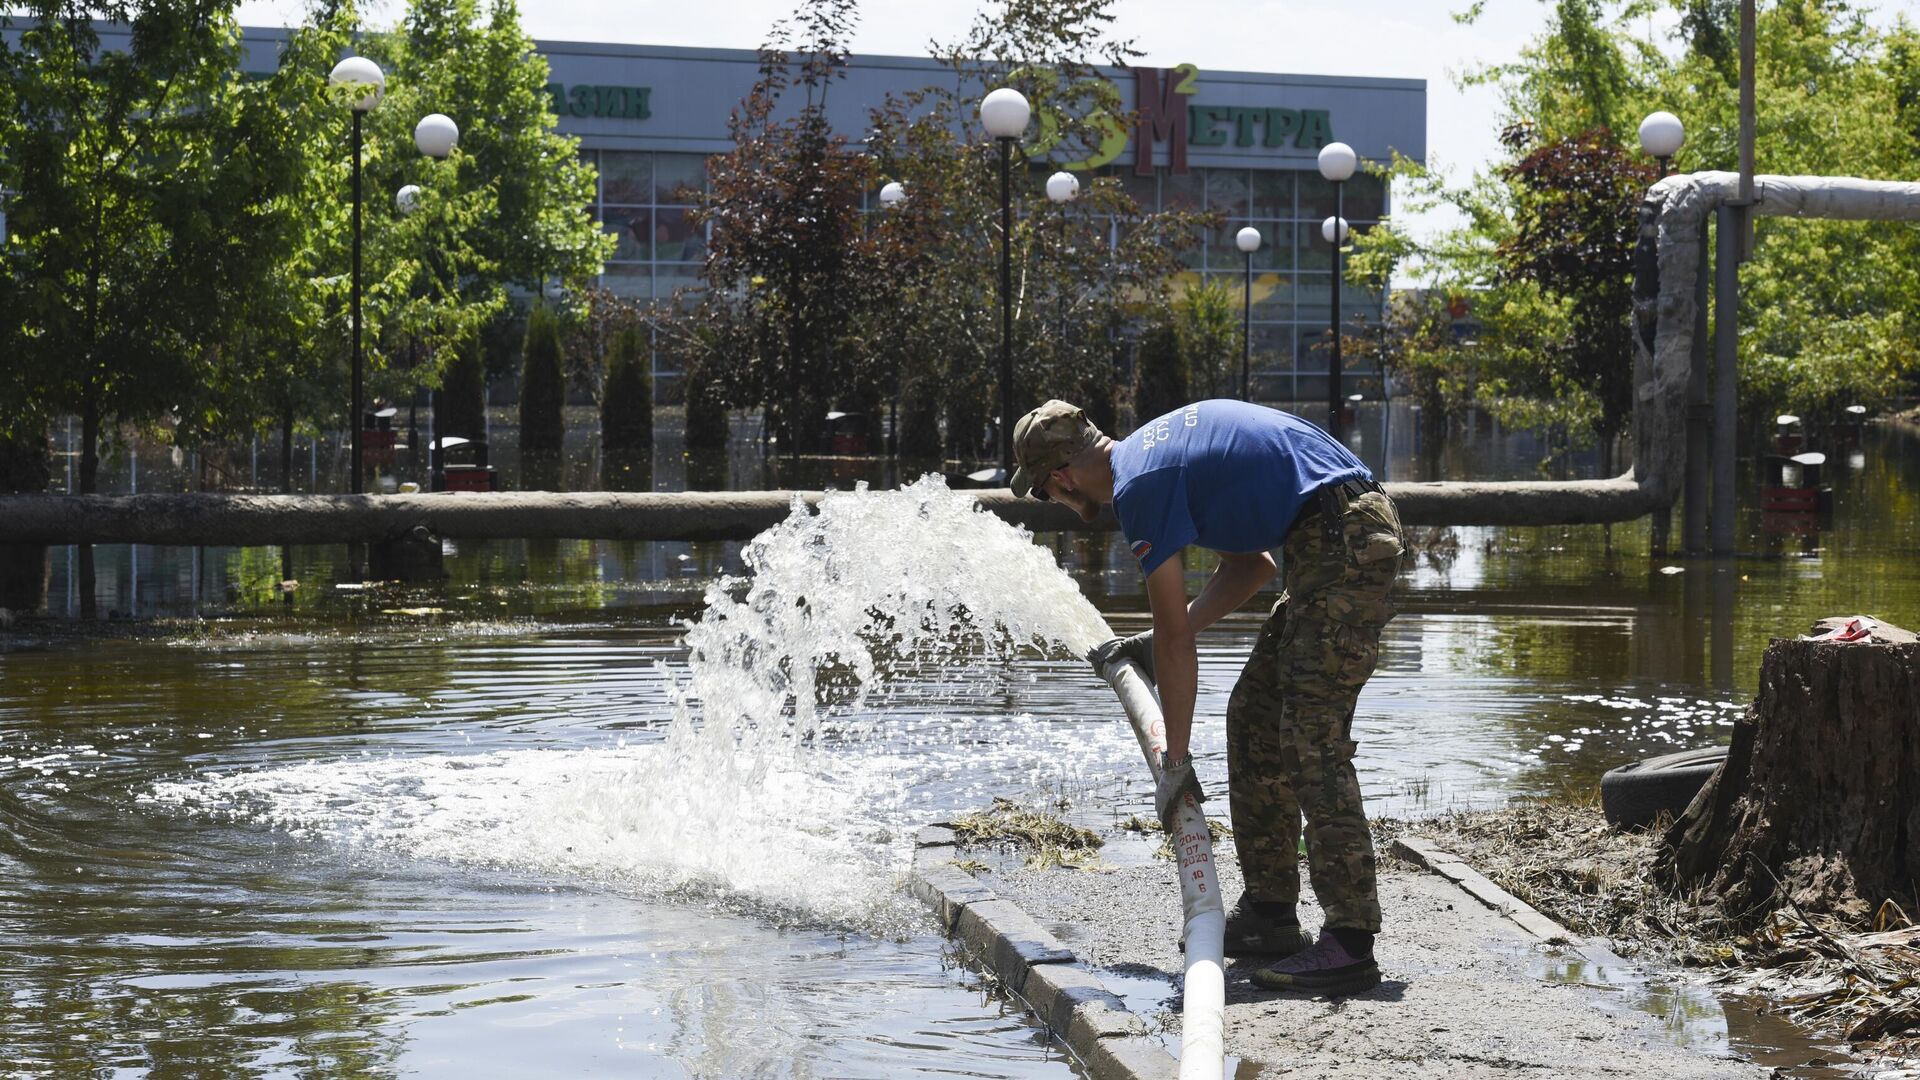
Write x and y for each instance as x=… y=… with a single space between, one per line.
x=1162 y=105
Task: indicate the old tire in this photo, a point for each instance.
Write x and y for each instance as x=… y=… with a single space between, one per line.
x=1633 y=795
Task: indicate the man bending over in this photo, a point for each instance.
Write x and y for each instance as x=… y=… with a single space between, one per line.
x=1242 y=480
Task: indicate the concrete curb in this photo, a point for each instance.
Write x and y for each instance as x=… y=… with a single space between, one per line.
x=1041 y=973
x=1424 y=854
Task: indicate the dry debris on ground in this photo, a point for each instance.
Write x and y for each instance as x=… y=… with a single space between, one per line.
x=1564 y=859
x=1049 y=841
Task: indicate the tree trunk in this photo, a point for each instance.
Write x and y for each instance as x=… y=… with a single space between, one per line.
x=1819 y=801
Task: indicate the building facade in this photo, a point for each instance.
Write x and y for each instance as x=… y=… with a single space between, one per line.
x=1244 y=144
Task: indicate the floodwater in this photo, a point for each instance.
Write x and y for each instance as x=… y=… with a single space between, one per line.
x=434 y=830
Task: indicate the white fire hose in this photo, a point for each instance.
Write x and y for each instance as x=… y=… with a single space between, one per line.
x=1203 y=1024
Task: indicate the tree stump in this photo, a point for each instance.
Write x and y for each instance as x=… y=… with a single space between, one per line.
x=1818 y=803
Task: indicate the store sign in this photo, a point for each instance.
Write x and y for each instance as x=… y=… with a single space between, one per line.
x=612 y=102
x=1165 y=115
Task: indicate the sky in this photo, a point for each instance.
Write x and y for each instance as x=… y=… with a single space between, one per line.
x=1417 y=39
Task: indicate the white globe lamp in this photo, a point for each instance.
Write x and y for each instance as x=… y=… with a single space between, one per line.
x=1662 y=134
x=1337 y=161
x=436 y=135
x=362 y=77
x=1005 y=113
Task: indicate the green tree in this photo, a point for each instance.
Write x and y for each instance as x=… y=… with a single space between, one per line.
x=1160 y=371
x=902 y=304
x=25 y=468
x=505 y=213
x=1577 y=218
x=1455 y=268
x=789 y=267
x=542 y=385
x=283 y=354
x=1082 y=272
x=126 y=219
x=708 y=423
x=1825 y=305
x=1207 y=320
x=1579 y=75
x=626 y=406
x=593 y=323
x=462 y=405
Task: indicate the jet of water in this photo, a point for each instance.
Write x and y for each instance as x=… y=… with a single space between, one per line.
x=764 y=795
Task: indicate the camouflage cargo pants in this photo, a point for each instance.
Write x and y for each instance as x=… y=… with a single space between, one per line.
x=1290 y=720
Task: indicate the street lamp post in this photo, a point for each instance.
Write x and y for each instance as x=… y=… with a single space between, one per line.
x=1005 y=113
x=1661 y=135
x=364 y=79
x=1248 y=241
x=1334 y=231
x=406 y=201
x=891 y=196
x=1337 y=162
x=1062 y=188
x=434 y=136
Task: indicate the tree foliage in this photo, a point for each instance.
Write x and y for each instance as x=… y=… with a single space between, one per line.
x=1539 y=244
x=1207 y=318
x=130 y=184
x=543 y=385
x=1576 y=202
x=179 y=232
x=812 y=303
x=626 y=406
x=790 y=268
x=1160 y=371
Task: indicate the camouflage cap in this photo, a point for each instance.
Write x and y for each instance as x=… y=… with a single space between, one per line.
x=1044 y=440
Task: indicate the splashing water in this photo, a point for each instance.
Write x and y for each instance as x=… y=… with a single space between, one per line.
x=771 y=791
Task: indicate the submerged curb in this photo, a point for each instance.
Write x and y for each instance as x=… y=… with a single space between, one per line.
x=1036 y=968
x=1424 y=854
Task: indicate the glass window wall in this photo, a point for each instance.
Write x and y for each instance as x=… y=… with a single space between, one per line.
x=645 y=199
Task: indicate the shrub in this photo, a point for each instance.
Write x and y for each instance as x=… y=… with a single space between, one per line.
x=1208 y=323
x=707 y=419
x=1159 y=372
x=626 y=403
x=463 y=394
x=542 y=385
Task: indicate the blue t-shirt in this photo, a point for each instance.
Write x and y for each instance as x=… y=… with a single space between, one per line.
x=1226 y=475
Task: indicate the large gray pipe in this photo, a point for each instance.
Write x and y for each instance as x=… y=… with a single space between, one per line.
x=256 y=520
x=1684 y=203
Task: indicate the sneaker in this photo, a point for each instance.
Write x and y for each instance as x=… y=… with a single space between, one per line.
x=1327 y=968
x=1250 y=933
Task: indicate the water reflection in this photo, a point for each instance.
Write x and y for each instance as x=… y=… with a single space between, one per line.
x=1692 y=1015
x=1509 y=636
